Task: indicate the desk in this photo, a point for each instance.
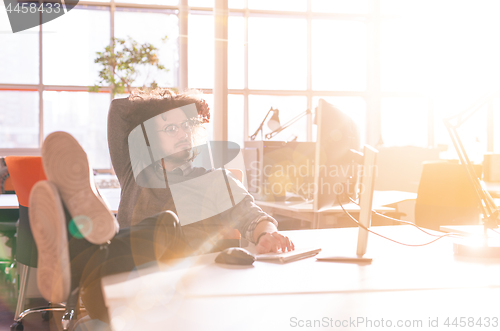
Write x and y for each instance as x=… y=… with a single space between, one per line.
x=110 y=195
x=403 y=283
x=8 y=201
x=383 y=201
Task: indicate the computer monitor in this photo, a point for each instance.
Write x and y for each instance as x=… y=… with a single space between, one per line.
x=365 y=189
x=335 y=169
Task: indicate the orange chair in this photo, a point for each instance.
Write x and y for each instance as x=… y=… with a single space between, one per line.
x=24 y=172
x=446 y=196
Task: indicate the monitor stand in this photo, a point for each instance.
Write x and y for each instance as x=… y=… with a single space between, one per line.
x=365 y=204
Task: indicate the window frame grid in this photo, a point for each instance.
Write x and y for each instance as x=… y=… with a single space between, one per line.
x=372 y=94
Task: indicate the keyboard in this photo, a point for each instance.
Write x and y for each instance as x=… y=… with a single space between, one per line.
x=285 y=257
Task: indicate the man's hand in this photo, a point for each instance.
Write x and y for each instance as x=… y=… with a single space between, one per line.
x=274 y=242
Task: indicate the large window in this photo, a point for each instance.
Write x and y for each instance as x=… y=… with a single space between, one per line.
x=152 y=26
x=70 y=43
x=277 y=53
x=441 y=56
x=397 y=67
x=19 y=119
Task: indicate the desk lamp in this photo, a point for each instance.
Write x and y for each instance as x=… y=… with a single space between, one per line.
x=487 y=205
x=273 y=124
x=287 y=124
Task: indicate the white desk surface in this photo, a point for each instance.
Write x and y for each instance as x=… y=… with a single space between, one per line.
x=112 y=198
x=415 y=283
x=8 y=201
x=110 y=195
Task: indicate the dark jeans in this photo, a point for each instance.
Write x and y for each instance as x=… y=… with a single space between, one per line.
x=157 y=238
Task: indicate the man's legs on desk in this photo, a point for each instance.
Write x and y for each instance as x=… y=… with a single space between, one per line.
x=84 y=236
x=157 y=238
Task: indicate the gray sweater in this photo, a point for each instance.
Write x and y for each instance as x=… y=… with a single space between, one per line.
x=138 y=203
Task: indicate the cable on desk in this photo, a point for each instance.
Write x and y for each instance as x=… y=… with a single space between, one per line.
x=401 y=221
x=397 y=242
x=413 y=224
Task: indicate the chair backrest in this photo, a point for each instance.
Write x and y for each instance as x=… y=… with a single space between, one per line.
x=399 y=167
x=446 y=196
x=24 y=172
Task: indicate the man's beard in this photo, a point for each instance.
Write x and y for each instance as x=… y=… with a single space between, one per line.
x=179 y=157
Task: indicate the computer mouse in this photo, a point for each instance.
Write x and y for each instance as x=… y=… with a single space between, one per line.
x=235 y=255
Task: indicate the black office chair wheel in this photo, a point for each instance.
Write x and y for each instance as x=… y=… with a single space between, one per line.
x=46 y=315
x=17 y=326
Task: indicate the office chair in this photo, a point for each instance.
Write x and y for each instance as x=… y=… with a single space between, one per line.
x=25 y=171
x=445 y=196
x=399 y=167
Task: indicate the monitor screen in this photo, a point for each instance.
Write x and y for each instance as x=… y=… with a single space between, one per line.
x=335 y=169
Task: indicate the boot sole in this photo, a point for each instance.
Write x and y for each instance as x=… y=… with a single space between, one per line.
x=66 y=165
x=48 y=225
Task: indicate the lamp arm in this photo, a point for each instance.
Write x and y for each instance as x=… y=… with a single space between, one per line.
x=287 y=124
x=462 y=117
x=486 y=202
x=252 y=137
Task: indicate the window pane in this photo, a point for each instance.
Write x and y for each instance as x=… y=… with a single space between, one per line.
x=404 y=121
x=355 y=107
x=237 y=4
x=84 y=115
x=201 y=51
x=236 y=52
x=342 y=6
x=398 y=7
x=406 y=55
x=70 y=43
x=19 y=60
x=277 y=53
x=472 y=132
x=151 y=26
x=235 y=119
x=201 y=3
x=339 y=55
x=151 y=2
x=496 y=125
x=282 y=5
x=289 y=107
x=19 y=119
x=443 y=55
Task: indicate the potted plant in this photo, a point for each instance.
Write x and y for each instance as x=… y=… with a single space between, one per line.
x=119 y=63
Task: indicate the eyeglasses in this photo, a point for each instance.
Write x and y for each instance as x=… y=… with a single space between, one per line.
x=172 y=129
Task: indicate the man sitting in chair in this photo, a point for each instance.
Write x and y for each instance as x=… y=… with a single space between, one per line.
x=155 y=141
x=154 y=151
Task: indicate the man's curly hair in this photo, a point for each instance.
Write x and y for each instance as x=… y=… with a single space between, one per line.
x=147 y=104
x=159 y=100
